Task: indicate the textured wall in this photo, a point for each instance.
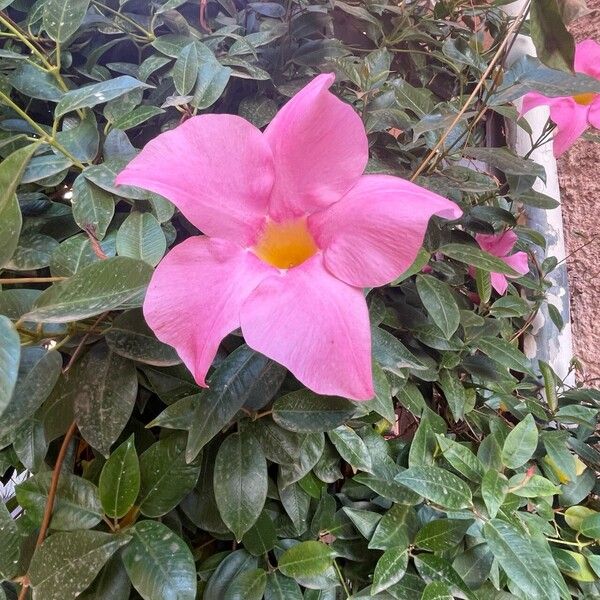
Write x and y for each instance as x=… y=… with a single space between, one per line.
x=579 y=174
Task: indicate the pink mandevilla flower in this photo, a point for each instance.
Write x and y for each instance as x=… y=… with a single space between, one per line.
x=500 y=245
x=293 y=232
x=572 y=114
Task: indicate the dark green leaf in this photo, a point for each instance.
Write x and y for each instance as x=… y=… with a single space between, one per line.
x=476 y=257
x=390 y=569
x=439 y=302
x=10 y=354
x=520 y=443
x=10 y=549
x=100 y=287
x=107 y=391
x=119 y=482
x=141 y=236
x=67 y=563
x=351 y=447
x=185 y=70
x=304 y=411
x=165 y=476
x=240 y=482
x=159 y=563
x=437 y=485
x=93 y=208
x=248 y=585
x=77 y=504
x=62 y=19
x=442 y=534
x=306 y=559
x=554 y=44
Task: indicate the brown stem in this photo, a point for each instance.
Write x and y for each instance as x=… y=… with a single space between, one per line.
x=17 y=280
x=51 y=497
x=82 y=342
x=509 y=34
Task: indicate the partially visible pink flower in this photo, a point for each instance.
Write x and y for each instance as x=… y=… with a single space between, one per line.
x=500 y=245
x=572 y=114
x=294 y=232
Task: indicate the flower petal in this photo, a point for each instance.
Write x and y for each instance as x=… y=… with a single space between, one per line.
x=497 y=244
x=194 y=298
x=594 y=113
x=499 y=283
x=587 y=58
x=373 y=234
x=217 y=169
x=519 y=262
x=571 y=122
x=533 y=100
x=320 y=149
x=316 y=326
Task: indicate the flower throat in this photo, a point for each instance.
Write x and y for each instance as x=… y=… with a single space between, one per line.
x=285 y=245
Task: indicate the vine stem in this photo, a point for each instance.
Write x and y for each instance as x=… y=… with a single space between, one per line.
x=149 y=35
x=41 y=132
x=17 y=280
x=51 y=497
x=509 y=35
x=341 y=578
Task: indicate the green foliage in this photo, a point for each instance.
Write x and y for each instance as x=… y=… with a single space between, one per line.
x=471 y=474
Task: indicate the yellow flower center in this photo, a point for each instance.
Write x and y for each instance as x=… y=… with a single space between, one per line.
x=585 y=99
x=285 y=245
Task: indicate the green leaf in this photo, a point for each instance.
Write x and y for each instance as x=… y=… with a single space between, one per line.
x=365 y=521
x=306 y=559
x=233 y=564
x=32 y=252
x=141 y=236
x=590 y=526
x=10 y=549
x=304 y=411
x=112 y=582
x=437 y=590
x=494 y=488
x=107 y=392
x=93 y=208
x=508 y=161
x=351 y=447
x=534 y=486
x=261 y=537
x=39 y=371
x=527 y=563
x=185 y=70
x=395 y=529
x=237 y=380
x=62 y=19
x=442 y=534
x=248 y=585
x=454 y=393
x=240 y=482
x=159 y=563
x=89 y=96
x=11 y=171
x=77 y=504
x=461 y=458
x=391 y=354
x=139 y=115
x=35 y=82
x=99 y=287
x=520 y=443
x=390 y=569
x=72 y=255
x=435 y=568
x=554 y=44
x=280 y=587
x=471 y=255
x=505 y=353
x=212 y=78
x=119 y=482
x=10 y=355
x=438 y=486
x=440 y=303
x=130 y=336
x=166 y=478
x=67 y=563
x=296 y=503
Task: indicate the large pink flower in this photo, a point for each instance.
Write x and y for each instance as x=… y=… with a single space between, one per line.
x=572 y=114
x=500 y=245
x=294 y=231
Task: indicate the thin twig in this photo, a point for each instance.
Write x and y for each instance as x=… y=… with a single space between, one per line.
x=82 y=342
x=17 y=280
x=51 y=497
x=509 y=34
